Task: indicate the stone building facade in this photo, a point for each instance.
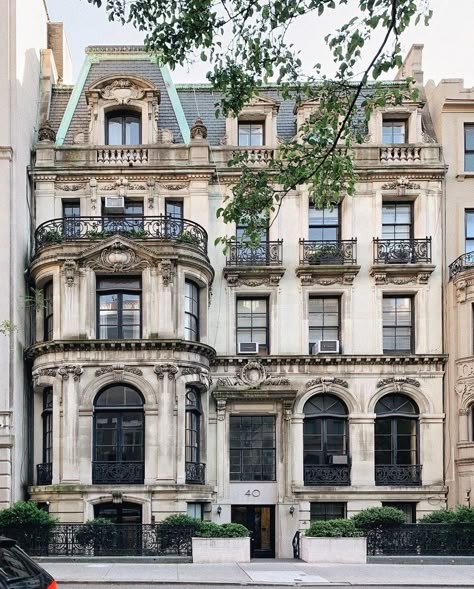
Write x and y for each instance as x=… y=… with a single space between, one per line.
x=299 y=380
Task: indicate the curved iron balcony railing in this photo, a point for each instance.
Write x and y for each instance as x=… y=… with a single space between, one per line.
x=266 y=253
x=132 y=226
x=402 y=251
x=195 y=473
x=340 y=251
x=464 y=262
x=110 y=473
x=398 y=474
x=327 y=474
x=44 y=473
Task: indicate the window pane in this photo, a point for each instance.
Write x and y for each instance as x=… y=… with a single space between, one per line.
x=323 y=511
x=115 y=131
x=252 y=443
x=469 y=137
x=132 y=131
x=174 y=208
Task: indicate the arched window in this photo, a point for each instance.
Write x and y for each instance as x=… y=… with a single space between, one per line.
x=325 y=438
x=194 y=468
x=44 y=471
x=118 y=436
x=123 y=128
x=396 y=441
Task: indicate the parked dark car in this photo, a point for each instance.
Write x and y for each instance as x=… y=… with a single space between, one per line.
x=18 y=571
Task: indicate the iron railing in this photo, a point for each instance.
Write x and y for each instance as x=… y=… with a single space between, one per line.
x=402 y=251
x=398 y=474
x=195 y=473
x=44 y=473
x=341 y=251
x=93 y=539
x=109 y=473
x=422 y=539
x=327 y=474
x=266 y=253
x=464 y=262
x=132 y=226
x=296 y=544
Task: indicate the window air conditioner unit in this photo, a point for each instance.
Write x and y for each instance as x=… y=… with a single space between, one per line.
x=114 y=204
x=327 y=346
x=248 y=348
x=339 y=459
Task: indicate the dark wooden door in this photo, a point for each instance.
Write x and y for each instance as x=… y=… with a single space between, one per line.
x=260 y=520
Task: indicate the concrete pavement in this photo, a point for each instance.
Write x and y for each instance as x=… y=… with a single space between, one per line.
x=255 y=573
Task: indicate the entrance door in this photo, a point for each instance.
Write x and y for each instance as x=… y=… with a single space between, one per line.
x=260 y=520
x=123 y=539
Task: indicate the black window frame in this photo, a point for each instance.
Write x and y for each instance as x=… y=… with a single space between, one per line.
x=193 y=426
x=389 y=120
x=267 y=323
x=250 y=124
x=395 y=418
x=120 y=292
x=411 y=350
x=47 y=426
x=398 y=204
x=323 y=225
x=188 y=310
x=328 y=511
x=123 y=114
x=240 y=448
x=323 y=327
x=48 y=311
x=466 y=150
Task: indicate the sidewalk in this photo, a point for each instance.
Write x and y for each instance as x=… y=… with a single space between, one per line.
x=262 y=572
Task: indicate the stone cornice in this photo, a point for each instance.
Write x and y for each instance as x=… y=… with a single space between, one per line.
x=83 y=345
x=336 y=360
x=255 y=395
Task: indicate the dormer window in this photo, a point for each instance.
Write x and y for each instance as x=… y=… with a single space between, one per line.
x=394 y=131
x=122 y=128
x=251 y=133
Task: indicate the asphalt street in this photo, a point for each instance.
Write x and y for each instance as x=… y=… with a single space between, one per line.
x=215 y=586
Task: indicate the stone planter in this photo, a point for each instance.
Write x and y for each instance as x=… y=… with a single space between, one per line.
x=334 y=550
x=215 y=550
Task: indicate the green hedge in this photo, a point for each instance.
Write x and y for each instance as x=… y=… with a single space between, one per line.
x=461 y=514
x=181 y=519
x=378 y=517
x=213 y=530
x=25 y=513
x=333 y=528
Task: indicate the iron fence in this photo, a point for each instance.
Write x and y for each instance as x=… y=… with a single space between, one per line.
x=162 y=227
x=327 y=474
x=195 y=473
x=313 y=252
x=93 y=539
x=109 y=473
x=398 y=474
x=402 y=251
x=422 y=540
x=266 y=253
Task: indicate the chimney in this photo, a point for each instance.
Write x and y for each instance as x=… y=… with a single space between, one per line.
x=412 y=66
x=58 y=44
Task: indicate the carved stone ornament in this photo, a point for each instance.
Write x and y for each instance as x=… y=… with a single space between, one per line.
x=68 y=370
x=461 y=286
x=70 y=271
x=326 y=382
x=166 y=270
x=118 y=257
x=70 y=187
x=405 y=277
x=198 y=130
x=46 y=133
x=170 y=369
x=201 y=374
x=242 y=280
x=174 y=186
x=165 y=136
x=122 y=91
x=311 y=279
x=398 y=382
x=39 y=372
x=401 y=185
x=252 y=375
x=287 y=410
x=120 y=368
x=220 y=408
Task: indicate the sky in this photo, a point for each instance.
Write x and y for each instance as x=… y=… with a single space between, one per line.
x=448 y=41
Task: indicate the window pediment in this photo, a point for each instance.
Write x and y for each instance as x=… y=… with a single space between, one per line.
x=117 y=255
x=122 y=89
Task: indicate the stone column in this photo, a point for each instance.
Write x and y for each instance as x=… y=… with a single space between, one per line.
x=463 y=425
x=151 y=443
x=296 y=436
x=71 y=375
x=431 y=448
x=221 y=449
x=362 y=449
x=166 y=460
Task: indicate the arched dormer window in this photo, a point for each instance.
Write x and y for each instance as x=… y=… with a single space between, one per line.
x=194 y=469
x=119 y=432
x=396 y=441
x=123 y=128
x=325 y=438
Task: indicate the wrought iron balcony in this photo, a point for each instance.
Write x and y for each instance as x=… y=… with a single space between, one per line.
x=398 y=474
x=464 y=262
x=110 y=473
x=341 y=251
x=327 y=474
x=402 y=251
x=132 y=226
x=266 y=253
x=195 y=473
x=44 y=473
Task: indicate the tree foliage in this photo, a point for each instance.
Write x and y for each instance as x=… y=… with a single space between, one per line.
x=378 y=517
x=461 y=514
x=246 y=45
x=25 y=513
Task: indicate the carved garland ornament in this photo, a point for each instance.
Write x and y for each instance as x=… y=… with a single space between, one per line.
x=253 y=374
x=118 y=368
x=326 y=382
x=118 y=258
x=398 y=381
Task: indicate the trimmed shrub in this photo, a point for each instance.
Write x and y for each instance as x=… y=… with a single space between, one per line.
x=461 y=514
x=97 y=533
x=378 y=517
x=25 y=513
x=213 y=530
x=333 y=528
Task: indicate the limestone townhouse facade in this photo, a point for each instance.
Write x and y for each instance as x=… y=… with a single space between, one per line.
x=299 y=380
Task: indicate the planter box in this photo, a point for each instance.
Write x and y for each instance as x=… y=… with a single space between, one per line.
x=215 y=550
x=334 y=550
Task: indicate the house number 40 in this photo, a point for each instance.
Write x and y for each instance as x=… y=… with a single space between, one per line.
x=253 y=493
